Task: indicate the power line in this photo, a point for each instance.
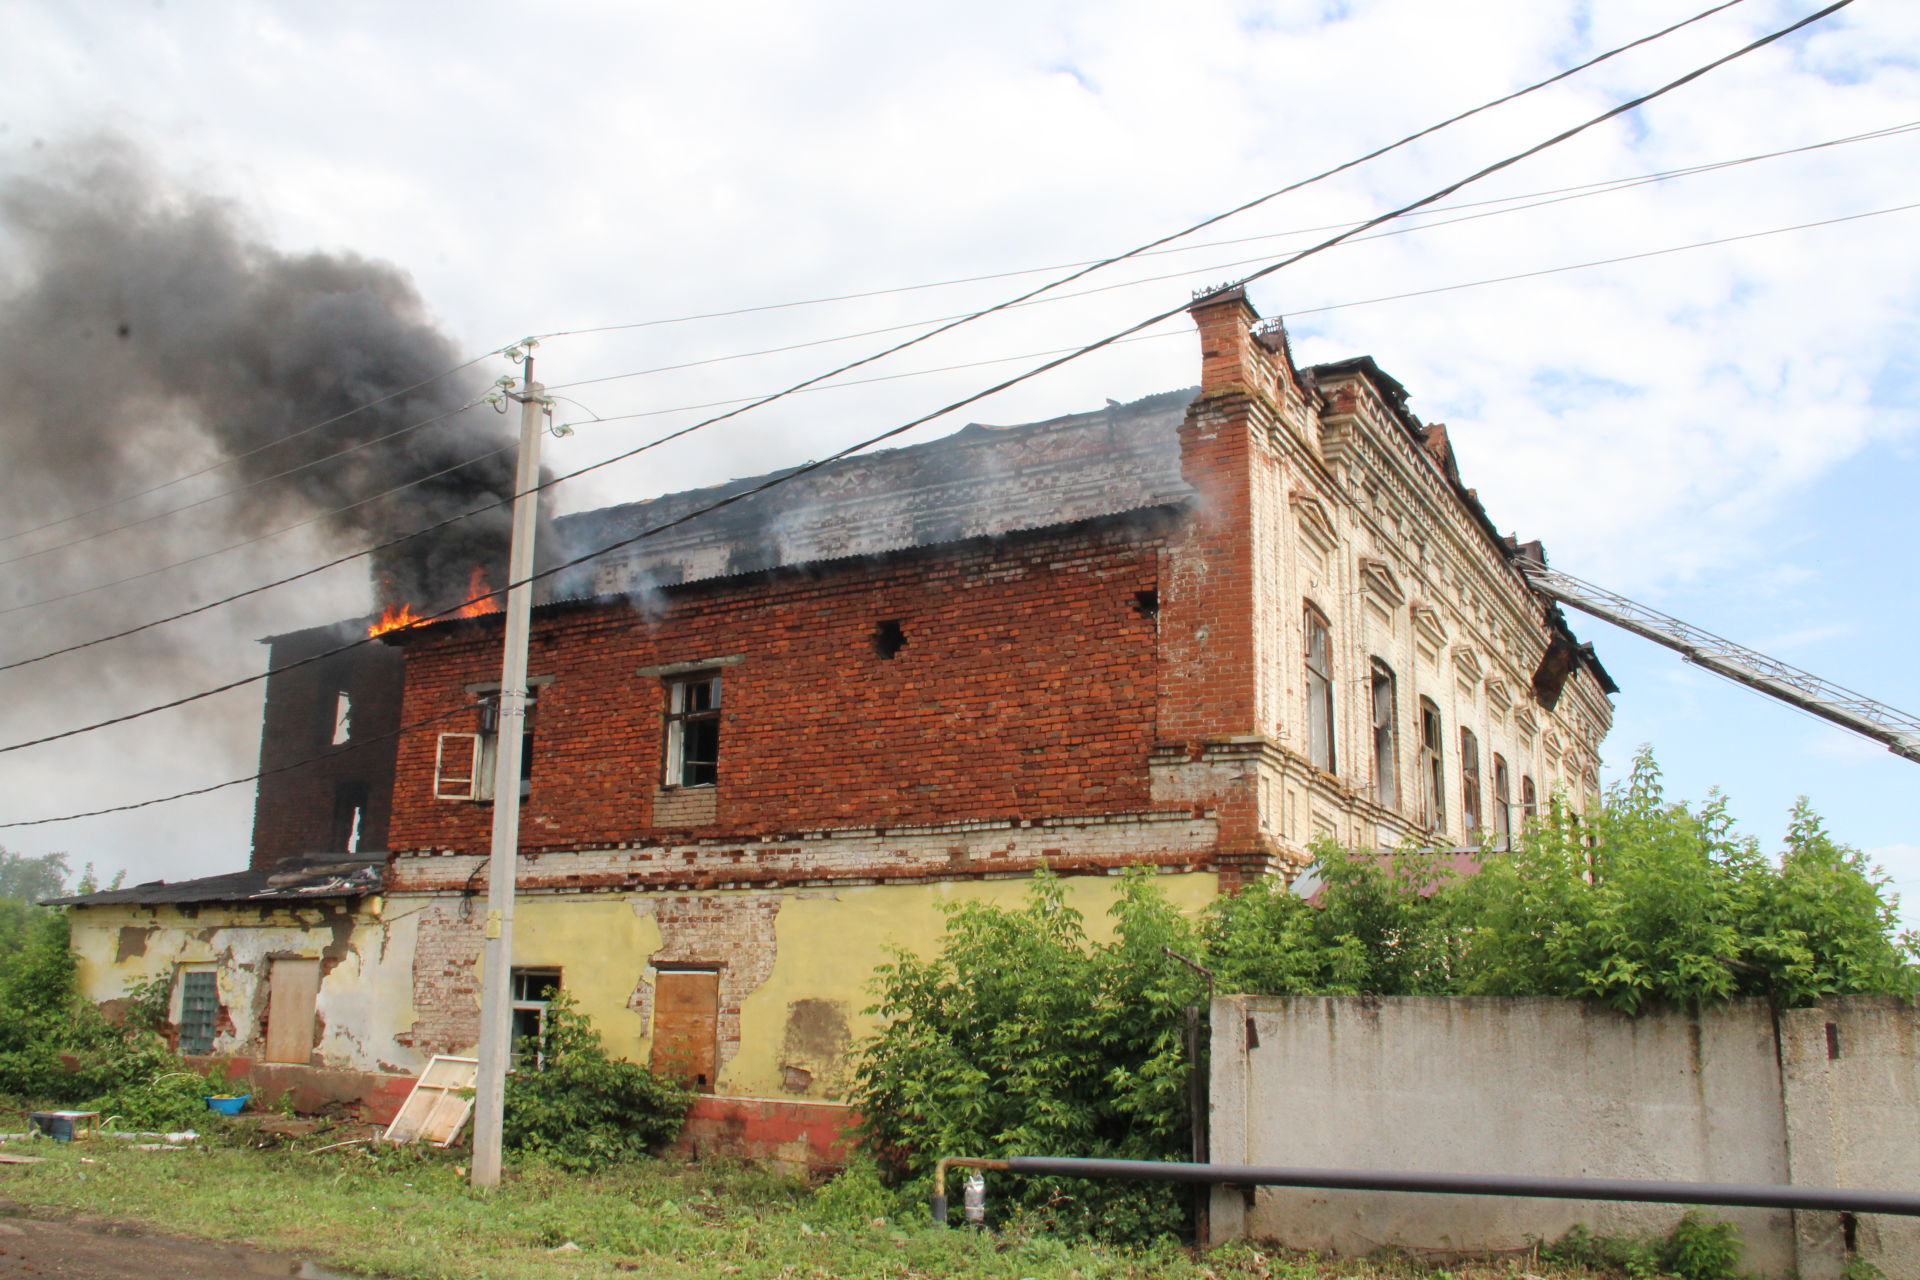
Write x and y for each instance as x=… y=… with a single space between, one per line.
x=1598 y=188
x=247 y=542
x=947 y=324
x=251 y=484
x=229 y=461
x=252 y=777
x=809 y=467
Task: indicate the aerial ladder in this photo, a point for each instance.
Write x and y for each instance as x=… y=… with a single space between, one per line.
x=1897 y=730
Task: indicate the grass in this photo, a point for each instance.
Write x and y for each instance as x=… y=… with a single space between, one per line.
x=406 y=1213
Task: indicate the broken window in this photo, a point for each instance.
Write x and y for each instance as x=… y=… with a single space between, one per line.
x=1529 y=799
x=349 y=816
x=1386 y=741
x=686 y=1024
x=199 y=1009
x=342 y=717
x=889 y=638
x=693 y=730
x=1319 y=649
x=1469 y=782
x=1433 y=778
x=532 y=992
x=464 y=763
x=1502 y=801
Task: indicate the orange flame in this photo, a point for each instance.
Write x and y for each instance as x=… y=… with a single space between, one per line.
x=396 y=617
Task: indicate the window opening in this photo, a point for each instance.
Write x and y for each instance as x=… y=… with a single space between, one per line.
x=889 y=638
x=1433 y=778
x=342 y=717
x=686 y=1024
x=532 y=992
x=349 y=816
x=1386 y=745
x=1319 y=647
x=199 y=1010
x=1147 y=603
x=1529 y=799
x=693 y=731
x=489 y=750
x=1502 y=800
x=1469 y=782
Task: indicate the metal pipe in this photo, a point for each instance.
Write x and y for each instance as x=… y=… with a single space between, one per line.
x=940 y=1167
x=1481 y=1184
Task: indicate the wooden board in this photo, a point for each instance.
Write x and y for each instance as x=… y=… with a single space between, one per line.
x=437 y=1109
x=293 y=987
x=686 y=1026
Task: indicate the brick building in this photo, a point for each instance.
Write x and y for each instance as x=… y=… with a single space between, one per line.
x=1195 y=632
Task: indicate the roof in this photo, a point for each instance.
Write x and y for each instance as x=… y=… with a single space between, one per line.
x=980 y=481
x=291 y=880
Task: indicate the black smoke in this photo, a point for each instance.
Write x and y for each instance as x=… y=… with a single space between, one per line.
x=147 y=330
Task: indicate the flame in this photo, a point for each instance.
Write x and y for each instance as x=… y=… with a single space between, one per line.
x=393 y=618
x=479 y=601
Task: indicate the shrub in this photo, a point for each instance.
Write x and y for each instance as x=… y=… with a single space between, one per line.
x=1021 y=1036
x=584 y=1108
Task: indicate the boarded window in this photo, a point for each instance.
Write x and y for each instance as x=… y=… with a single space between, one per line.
x=1469 y=782
x=693 y=731
x=1386 y=741
x=1319 y=691
x=199 y=1010
x=686 y=1026
x=293 y=987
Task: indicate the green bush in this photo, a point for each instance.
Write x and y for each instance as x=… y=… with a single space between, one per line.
x=1021 y=1036
x=1698 y=1248
x=583 y=1108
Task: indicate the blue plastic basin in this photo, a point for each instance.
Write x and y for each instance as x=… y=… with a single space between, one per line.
x=228 y=1106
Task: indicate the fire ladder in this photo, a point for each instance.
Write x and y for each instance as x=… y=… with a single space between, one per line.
x=1898 y=731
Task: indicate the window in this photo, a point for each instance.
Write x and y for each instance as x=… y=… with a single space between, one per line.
x=1386 y=741
x=1502 y=801
x=532 y=991
x=1319 y=692
x=199 y=1010
x=1529 y=799
x=1433 y=779
x=693 y=731
x=349 y=816
x=342 y=717
x=1469 y=782
x=464 y=765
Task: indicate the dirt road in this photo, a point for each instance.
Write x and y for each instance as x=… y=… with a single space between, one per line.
x=78 y=1247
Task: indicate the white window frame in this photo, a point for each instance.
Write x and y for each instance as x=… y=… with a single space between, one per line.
x=677 y=718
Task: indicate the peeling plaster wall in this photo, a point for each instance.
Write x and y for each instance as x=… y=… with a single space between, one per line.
x=365 y=955
x=794 y=965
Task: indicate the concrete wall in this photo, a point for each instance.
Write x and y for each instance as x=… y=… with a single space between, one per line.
x=1553 y=1087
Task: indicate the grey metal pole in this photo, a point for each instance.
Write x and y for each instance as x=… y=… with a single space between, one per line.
x=496 y=1009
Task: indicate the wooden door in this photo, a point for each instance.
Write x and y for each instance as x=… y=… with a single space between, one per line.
x=293 y=988
x=686 y=1026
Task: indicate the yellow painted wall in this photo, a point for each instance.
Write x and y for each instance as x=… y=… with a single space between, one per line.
x=365 y=1000
x=601 y=946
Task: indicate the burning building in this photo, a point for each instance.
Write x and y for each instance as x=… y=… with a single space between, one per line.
x=1193 y=633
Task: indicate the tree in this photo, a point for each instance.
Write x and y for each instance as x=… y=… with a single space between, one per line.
x=29 y=879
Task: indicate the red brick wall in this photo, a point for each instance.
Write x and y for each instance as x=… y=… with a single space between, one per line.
x=1027 y=686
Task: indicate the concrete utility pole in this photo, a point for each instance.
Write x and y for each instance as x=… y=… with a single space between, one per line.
x=496 y=1004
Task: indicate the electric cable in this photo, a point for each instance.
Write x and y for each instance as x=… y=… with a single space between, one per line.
x=342 y=749
x=1599 y=187
x=950 y=322
x=251 y=484
x=812 y=466
x=274 y=443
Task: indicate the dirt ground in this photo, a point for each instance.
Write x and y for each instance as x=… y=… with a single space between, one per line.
x=78 y=1247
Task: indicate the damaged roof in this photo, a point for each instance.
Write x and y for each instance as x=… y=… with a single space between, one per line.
x=291 y=880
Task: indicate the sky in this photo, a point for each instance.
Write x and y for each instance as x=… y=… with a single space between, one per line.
x=1727 y=433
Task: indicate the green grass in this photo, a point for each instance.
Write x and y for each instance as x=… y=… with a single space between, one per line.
x=406 y=1213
